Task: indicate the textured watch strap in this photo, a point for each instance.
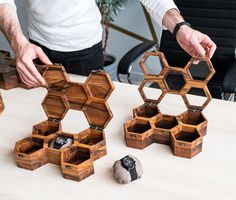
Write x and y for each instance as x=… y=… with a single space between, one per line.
x=133 y=174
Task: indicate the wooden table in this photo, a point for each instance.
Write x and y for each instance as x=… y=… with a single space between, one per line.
x=209 y=175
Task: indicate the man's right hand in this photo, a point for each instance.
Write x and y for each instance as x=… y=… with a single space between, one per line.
x=25 y=54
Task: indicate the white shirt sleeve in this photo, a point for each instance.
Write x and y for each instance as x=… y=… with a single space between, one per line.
x=158 y=8
x=8 y=1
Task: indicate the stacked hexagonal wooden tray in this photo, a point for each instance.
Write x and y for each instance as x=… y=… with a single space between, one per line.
x=183 y=132
x=9 y=77
x=76 y=161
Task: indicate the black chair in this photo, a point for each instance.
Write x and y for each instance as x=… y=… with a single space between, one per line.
x=216 y=18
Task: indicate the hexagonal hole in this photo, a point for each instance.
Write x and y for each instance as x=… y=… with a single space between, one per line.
x=151 y=91
x=166 y=122
x=187 y=135
x=196 y=96
x=30 y=145
x=55 y=106
x=90 y=137
x=140 y=126
x=174 y=80
x=99 y=85
x=154 y=64
x=192 y=118
x=79 y=119
x=76 y=155
x=98 y=114
x=76 y=95
x=172 y=104
x=45 y=128
x=146 y=111
x=199 y=70
x=55 y=77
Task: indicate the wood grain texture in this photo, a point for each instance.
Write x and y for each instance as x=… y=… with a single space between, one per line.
x=183 y=132
x=76 y=161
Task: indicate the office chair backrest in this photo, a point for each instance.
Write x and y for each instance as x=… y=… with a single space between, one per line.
x=216 y=18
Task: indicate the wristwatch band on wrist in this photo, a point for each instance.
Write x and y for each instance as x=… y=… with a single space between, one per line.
x=178 y=25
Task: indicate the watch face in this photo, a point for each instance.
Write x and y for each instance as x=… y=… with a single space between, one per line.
x=128 y=162
x=59 y=142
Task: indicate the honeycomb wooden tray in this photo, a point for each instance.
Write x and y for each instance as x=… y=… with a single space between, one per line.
x=9 y=77
x=76 y=161
x=184 y=132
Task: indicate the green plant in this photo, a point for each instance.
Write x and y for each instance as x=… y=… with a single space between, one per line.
x=108 y=9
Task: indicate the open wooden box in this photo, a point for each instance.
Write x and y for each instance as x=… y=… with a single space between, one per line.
x=76 y=161
x=183 y=132
x=9 y=77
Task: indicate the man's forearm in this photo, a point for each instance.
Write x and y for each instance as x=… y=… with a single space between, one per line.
x=10 y=26
x=171 y=18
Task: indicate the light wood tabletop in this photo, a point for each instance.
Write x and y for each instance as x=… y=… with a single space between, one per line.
x=209 y=175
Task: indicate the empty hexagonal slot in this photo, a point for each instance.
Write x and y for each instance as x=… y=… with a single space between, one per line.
x=139 y=126
x=76 y=155
x=90 y=137
x=76 y=95
x=172 y=104
x=174 y=80
x=45 y=128
x=196 y=96
x=151 y=91
x=199 y=70
x=99 y=85
x=79 y=117
x=192 y=118
x=166 y=122
x=30 y=145
x=187 y=135
x=146 y=111
x=153 y=64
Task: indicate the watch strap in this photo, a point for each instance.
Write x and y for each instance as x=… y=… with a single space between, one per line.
x=178 y=25
x=133 y=174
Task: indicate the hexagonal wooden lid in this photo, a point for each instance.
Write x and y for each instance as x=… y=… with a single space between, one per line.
x=181 y=81
x=89 y=97
x=100 y=87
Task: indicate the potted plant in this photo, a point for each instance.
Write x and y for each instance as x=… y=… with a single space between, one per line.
x=109 y=9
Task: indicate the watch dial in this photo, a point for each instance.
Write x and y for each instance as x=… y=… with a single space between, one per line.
x=128 y=162
x=60 y=140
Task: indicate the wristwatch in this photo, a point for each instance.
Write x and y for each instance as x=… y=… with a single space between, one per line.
x=59 y=142
x=178 y=25
x=129 y=164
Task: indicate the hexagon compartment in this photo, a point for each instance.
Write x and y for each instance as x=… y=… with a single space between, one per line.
x=180 y=128
x=77 y=152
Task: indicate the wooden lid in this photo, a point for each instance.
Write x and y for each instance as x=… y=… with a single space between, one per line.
x=181 y=81
x=98 y=114
x=55 y=77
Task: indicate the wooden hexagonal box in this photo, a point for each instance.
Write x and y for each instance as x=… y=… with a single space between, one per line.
x=183 y=132
x=75 y=153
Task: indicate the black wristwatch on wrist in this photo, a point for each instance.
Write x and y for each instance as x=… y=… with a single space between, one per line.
x=129 y=164
x=178 y=25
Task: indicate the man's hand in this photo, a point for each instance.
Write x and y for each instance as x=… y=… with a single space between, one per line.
x=25 y=55
x=24 y=50
x=194 y=42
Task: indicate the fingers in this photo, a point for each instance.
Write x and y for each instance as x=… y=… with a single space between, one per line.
x=42 y=56
x=210 y=45
x=198 y=48
x=25 y=76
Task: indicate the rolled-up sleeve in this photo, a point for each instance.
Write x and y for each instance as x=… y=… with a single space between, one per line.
x=158 y=8
x=8 y=1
